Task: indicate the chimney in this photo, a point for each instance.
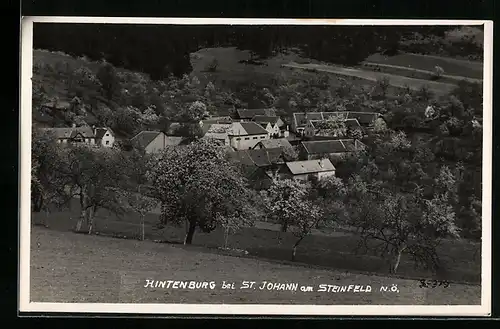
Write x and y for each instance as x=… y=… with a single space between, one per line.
x=73 y=125
x=320 y=164
x=93 y=130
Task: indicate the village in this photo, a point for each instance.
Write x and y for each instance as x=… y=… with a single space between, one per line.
x=302 y=149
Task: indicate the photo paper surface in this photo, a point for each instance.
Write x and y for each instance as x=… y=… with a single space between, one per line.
x=255 y=166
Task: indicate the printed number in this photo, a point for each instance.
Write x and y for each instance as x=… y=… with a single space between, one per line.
x=433 y=283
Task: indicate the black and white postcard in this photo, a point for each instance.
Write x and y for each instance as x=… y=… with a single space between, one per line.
x=256 y=166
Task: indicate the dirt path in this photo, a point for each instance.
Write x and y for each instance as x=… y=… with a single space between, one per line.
x=409 y=69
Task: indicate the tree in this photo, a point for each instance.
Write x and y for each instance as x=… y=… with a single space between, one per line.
x=198 y=185
x=392 y=223
x=109 y=81
x=287 y=203
x=193 y=113
x=307 y=218
x=96 y=176
x=284 y=199
x=140 y=203
x=212 y=66
x=46 y=186
x=383 y=84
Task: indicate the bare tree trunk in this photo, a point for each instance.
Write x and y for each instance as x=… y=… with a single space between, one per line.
x=294 y=251
x=397 y=261
x=284 y=226
x=83 y=213
x=189 y=234
x=90 y=219
x=38 y=203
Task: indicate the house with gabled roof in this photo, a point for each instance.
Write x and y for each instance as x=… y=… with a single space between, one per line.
x=259 y=165
x=333 y=149
x=249 y=114
x=245 y=135
x=155 y=141
x=273 y=124
x=310 y=169
x=73 y=135
x=365 y=119
x=273 y=143
x=104 y=136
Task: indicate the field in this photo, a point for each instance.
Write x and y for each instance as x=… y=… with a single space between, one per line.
x=324 y=249
x=68 y=267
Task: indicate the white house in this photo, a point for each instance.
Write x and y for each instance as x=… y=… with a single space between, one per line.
x=104 y=136
x=245 y=135
x=273 y=124
x=310 y=169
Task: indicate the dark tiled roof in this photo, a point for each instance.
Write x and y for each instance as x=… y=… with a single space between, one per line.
x=258 y=157
x=275 y=143
x=99 y=132
x=252 y=128
x=250 y=113
x=144 y=138
x=265 y=119
x=85 y=132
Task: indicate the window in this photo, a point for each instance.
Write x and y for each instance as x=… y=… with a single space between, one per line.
x=107 y=142
x=247 y=138
x=238 y=139
x=255 y=138
x=262 y=137
x=106 y=134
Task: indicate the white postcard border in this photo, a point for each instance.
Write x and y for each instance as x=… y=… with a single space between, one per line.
x=240 y=309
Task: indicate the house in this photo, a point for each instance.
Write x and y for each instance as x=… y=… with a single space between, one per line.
x=245 y=135
x=249 y=114
x=104 y=136
x=336 y=149
x=273 y=124
x=310 y=169
x=316 y=128
x=259 y=165
x=73 y=135
x=365 y=119
x=217 y=131
x=273 y=143
x=155 y=141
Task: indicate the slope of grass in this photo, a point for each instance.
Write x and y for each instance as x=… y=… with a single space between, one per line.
x=67 y=267
x=460 y=259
